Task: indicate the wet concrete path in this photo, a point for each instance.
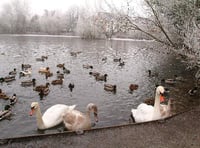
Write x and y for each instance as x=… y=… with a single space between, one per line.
x=180 y=131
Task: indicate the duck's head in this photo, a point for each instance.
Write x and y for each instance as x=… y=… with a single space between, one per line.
x=34 y=106
x=93 y=108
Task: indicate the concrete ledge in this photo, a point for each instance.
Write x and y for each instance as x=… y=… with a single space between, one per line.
x=180 y=131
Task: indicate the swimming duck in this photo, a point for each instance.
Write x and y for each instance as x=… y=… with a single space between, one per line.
x=51 y=117
x=193 y=91
x=110 y=87
x=14 y=72
x=28 y=83
x=40 y=59
x=48 y=74
x=24 y=73
x=117 y=59
x=179 y=78
x=57 y=82
x=44 y=57
x=41 y=87
x=150 y=74
x=61 y=65
x=121 y=63
x=101 y=77
x=13 y=99
x=74 y=54
x=6 y=113
x=44 y=70
x=87 y=66
x=94 y=73
x=104 y=59
x=9 y=78
x=168 y=81
x=60 y=75
x=44 y=92
x=71 y=86
x=133 y=87
x=66 y=71
x=3 y=95
x=25 y=66
x=75 y=120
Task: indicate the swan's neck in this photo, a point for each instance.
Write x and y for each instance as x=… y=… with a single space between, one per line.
x=87 y=114
x=157 y=114
x=40 y=122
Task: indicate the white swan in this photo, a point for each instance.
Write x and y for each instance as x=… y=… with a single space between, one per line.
x=75 y=120
x=145 y=112
x=51 y=117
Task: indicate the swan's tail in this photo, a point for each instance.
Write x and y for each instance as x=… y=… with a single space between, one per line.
x=71 y=107
x=133 y=112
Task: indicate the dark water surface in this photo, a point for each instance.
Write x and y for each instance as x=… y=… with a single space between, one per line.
x=114 y=109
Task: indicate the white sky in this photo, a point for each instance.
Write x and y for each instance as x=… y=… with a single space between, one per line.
x=38 y=6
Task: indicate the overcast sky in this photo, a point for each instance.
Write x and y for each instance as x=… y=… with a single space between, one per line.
x=37 y=6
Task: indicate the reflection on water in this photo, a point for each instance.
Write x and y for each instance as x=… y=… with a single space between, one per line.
x=114 y=108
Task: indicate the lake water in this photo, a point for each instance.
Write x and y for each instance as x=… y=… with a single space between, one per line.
x=114 y=108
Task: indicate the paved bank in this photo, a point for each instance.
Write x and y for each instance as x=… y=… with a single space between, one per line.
x=180 y=131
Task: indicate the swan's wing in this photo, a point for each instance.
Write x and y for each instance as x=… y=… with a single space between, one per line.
x=74 y=120
x=143 y=113
x=53 y=115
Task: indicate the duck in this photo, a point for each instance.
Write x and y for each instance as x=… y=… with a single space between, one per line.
x=44 y=92
x=6 y=113
x=51 y=117
x=26 y=72
x=150 y=74
x=87 y=66
x=9 y=78
x=44 y=57
x=3 y=95
x=57 y=82
x=193 y=91
x=75 y=120
x=28 y=83
x=168 y=81
x=25 y=66
x=13 y=99
x=60 y=75
x=101 y=77
x=60 y=65
x=14 y=72
x=48 y=74
x=133 y=87
x=40 y=59
x=110 y=87
x=145 y=113
x=74 y=54
x=117 y=59
x=121 y=63
x=179 y=78
x=104 y=59
x=44 y=70
x=66 y=71
x=71 y=86
x=41 y=87
x=93 y=73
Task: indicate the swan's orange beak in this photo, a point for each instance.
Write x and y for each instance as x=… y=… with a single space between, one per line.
x=162 y=99
x=31 y=112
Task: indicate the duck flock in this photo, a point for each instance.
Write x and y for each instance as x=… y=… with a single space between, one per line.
x=73 y=119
